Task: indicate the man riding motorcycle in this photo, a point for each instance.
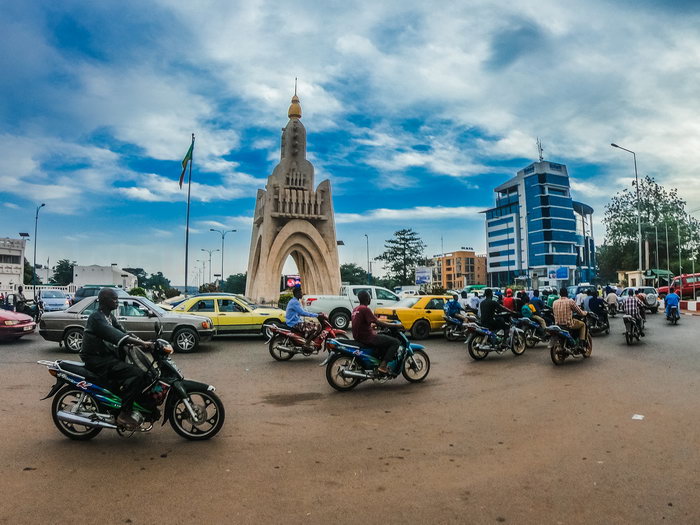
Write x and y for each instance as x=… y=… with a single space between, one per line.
x=295 y=312
x=633 y=306
x=563 y=309
x=362 y=320
x=488 y=310
x=103 y=354
x=670 y=300
x=453 y=308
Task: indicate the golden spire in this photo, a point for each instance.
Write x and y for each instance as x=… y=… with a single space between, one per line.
x=295 y=106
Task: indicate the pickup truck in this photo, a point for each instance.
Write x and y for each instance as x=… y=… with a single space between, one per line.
x=685 y=285
x=339 y=307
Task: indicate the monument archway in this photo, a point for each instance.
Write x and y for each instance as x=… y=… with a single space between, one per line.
x=293 y=218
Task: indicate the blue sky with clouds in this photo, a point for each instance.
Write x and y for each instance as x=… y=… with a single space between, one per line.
x=414 y=111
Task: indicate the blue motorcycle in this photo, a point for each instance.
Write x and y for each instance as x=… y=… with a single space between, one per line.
x=482 y=341
x=349 y=363
x=563 y=344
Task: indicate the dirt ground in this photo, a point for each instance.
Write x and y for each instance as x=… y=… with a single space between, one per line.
x=505 y=440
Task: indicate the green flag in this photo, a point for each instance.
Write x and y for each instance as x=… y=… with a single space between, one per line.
x=185 y=161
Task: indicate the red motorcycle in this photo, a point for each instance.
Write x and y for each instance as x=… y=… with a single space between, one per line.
x=285 y=344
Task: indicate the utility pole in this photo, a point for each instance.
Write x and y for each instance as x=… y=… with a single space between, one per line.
x=210 y=252
x=369 y=269
x=223 y=236
x=36 y=225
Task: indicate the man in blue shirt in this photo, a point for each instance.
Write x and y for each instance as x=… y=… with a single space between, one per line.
x=452 y=308
x=295 y=313
x=536 y=301
x=672 y=299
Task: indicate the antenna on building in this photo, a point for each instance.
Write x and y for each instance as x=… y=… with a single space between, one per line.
x=540 y=151
x=295 y=86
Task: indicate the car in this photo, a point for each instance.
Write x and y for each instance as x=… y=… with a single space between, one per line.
x=138 y=315
x=421 y=314
x=652 y=298
x=231 y=314
x=91 y=290
x=54 y=300
x=575 y=290
x=339 y=307
x=14 y=325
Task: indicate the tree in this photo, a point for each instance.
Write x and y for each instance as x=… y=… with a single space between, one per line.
x=138 y=291
x=402 y=254
x=235 y=283
x=157 y=281
x=63 y=272
x=660 y=209
x=140 y=274
x=172 y=292
x=351 y=273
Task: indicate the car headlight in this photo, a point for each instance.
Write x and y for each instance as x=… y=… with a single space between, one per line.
x=11 y=322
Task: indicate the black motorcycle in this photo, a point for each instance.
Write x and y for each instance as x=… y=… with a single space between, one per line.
x=84 y=404
x=600 y=323
x=673 y=316
x=563 y=344
x=633 y=328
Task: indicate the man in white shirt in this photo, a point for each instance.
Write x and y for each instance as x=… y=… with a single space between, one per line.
x=474 y=301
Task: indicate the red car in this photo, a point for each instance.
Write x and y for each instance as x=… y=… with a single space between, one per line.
x=14 y=325
x=686 y=285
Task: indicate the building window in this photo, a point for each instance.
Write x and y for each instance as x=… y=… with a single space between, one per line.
x=504 y=231
x=10 y=259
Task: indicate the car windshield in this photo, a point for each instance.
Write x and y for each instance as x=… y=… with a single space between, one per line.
x=408 y=302
x=649 y=290
x=244 y=300
x=53 y=294
x=153 y=306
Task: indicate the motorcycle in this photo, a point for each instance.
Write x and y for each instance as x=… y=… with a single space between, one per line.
x=673 y=316
x=85 y=404
x=454 y=328
x=349 y=364
x=285 y=343
x=633 y=329
x=562 y=344
x=600 y=324
x=482 y=341
x=532 y=332
x=612 y=309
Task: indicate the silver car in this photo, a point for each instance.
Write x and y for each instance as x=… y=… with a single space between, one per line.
x=652 y=297
x=54 y=300
x=138 y=315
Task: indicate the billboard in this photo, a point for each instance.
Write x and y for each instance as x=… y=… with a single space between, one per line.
x=290 y=281
x=563 y=273
x=423 y=274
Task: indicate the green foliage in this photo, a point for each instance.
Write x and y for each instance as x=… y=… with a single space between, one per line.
x=283 y=300
x=235 y=283
x=172 y=292
x=63 y=272
x=157 y=281
x=436 y=290
x=386 y=282
x=660 y=209
x=28 y=274
x=140 y=274
x=207 y=288
x=138 y=291
x=351 y=273
x=402 y=254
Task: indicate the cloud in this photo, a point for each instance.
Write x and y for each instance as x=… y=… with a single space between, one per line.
x=156 y=188
x=418 y=213
x=11 y=205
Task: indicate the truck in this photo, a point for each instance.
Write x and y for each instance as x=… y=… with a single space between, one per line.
x=685 y=285
x=339 y=307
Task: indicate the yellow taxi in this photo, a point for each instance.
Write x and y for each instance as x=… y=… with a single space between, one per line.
x=232 y=313
x=421 y=314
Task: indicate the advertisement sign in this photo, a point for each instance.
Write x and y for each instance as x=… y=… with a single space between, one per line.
x=563 y=273
x=552 y=274
x=423 y=274
x=292 y=280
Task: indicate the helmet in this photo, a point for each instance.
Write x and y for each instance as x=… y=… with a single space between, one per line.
x=509 y=292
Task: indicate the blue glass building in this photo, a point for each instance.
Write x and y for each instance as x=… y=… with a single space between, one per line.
x=536 y=234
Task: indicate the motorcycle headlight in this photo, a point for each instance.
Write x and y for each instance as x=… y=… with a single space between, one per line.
x=168 y=349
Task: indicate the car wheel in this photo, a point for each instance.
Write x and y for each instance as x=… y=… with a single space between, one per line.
x=186 y=340
x=420 y=329
x=340 y=319
x=73 y=340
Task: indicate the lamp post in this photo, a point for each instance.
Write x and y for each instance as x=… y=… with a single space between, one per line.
x=210 y=252
x=369 y=273
x=639 y=216
x=36 y=225
x=223 y=236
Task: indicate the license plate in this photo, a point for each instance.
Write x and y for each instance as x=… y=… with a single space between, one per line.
x=28 y=327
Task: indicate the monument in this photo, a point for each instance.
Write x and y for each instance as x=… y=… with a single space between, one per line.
x=293 y=218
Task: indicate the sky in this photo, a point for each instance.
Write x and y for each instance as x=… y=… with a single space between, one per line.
x=415 y=111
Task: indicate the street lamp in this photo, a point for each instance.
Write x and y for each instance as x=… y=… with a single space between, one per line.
x=210 y=252
x=36 y=225
x=369 y=275
x=639 y=216
x=223 y=236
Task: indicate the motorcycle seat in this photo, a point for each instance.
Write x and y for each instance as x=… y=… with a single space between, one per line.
x=76 y=367
x=349 y=342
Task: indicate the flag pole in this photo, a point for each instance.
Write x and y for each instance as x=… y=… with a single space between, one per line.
x=187 y=225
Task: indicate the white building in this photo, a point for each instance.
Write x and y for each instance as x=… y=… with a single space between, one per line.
x=11 y=263
x=104 y=275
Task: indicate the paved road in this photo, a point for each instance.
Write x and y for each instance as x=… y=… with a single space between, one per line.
x=506 y=440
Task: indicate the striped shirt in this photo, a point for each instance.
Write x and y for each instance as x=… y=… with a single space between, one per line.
x=632 y=305
x=564 y=309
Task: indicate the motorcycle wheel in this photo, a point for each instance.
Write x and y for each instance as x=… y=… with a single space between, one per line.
x=274 y=344
x=338 y=363
x=209 y=411
x=416 y=367
x=473 y=343
x=628 y=338
x=530 y=339
x=65 y=399
x=556 y=352
x=589 y=347
x=519 y=345
x=450 y=334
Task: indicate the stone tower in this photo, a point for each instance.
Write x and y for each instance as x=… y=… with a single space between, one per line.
x=293 y=218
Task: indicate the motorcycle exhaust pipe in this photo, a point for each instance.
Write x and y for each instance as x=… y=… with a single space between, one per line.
x=350 y=373
x=77 y=419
